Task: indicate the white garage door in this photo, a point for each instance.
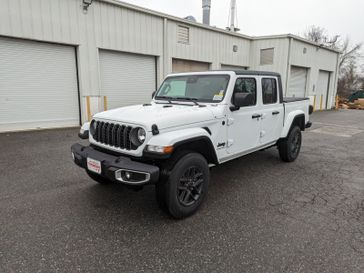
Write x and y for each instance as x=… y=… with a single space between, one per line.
x=38 y=85
x=233 y=67
x=322 y=89
x=179 y=66
x=126 y=79
x=297 y=82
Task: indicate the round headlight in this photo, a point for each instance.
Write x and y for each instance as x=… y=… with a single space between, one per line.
x=141 y=135
x=137 y=136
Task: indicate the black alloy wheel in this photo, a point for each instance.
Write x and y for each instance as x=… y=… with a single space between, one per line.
x=190 y=186
x=296 y=143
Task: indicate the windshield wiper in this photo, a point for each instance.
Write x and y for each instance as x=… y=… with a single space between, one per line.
x=167 y=98
x=194 y=100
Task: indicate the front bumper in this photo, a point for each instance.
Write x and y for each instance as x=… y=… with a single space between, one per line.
x=114 y=167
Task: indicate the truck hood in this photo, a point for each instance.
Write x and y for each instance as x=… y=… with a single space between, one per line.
x=163 y=115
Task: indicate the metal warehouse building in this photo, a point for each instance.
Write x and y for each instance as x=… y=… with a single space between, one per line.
x=60 y=62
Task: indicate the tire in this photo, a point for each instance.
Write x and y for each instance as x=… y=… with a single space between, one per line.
x=289 y=147
x=186 y=187
x=98 y=178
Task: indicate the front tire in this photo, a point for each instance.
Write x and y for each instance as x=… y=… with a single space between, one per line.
x=186 y=187
x=290 y=147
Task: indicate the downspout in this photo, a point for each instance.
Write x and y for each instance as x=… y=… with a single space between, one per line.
x=336 y=79
x=165 y=47
x=288 y=64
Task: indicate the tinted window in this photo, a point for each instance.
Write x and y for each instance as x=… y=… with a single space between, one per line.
x=269 y=91
x=246 y=85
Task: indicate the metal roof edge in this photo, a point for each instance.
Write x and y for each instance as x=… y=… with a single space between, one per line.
x=295 y=37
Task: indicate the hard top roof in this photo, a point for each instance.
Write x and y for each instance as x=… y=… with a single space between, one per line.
x=252 y=72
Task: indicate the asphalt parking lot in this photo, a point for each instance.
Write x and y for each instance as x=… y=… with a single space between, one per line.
x=261 y=215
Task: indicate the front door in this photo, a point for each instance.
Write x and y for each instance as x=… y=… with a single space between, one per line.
x=244 y=124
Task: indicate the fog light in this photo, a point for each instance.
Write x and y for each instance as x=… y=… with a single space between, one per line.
x=127 y=175
x=132 y=177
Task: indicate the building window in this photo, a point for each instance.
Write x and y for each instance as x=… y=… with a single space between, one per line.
x=183 y=35
x=266 y=56
x=269 y=90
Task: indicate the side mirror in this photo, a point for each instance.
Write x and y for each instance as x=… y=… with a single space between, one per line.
x=153 y=94
x=241 y=100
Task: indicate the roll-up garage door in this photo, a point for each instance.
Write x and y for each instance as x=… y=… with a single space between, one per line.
x=322 y=89
x=127 y=79
x=297 y=82
x=179 y=66
x=38 y=85
x=233 y=67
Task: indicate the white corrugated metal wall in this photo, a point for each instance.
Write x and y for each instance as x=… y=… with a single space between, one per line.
x=290 y=52
x=280 y=58
x=112 y=25
x=316 y=58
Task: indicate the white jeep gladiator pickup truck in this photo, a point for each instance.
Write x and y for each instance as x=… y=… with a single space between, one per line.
x=194 y=121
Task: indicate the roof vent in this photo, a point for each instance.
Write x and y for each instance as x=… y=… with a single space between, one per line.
x=191 y=18
x=183 y=35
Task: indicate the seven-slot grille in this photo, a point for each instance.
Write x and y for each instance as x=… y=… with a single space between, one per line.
x=114 y=135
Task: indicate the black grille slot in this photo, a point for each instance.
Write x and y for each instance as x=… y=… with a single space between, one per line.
x=114 y=135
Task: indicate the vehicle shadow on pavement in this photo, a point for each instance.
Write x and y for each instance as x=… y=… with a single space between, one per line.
x=124 y=204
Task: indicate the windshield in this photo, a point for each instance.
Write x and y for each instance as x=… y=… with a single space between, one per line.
x=204 y=88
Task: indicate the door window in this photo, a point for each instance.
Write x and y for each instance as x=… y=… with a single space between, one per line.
x=247 y=85
x=269 y=90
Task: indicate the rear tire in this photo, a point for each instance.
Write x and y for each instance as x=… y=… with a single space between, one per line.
x=290 y=147
x=98 y=178
x=186 y=187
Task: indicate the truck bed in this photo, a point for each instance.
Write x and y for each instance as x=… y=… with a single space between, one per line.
x=291 y=104
x=293 y=99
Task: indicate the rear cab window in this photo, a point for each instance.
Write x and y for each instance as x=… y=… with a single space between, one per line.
x=269 y=90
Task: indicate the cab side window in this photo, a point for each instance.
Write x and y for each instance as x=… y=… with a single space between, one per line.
x=247 y=85
x=269 y=90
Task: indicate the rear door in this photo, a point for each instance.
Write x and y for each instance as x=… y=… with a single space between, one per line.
x=271 y=111
x=244 y=124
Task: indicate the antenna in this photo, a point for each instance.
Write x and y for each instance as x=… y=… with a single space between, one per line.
x=232 y=16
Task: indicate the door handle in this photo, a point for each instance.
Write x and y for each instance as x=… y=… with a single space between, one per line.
x=256 y=116
x=275 y=113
